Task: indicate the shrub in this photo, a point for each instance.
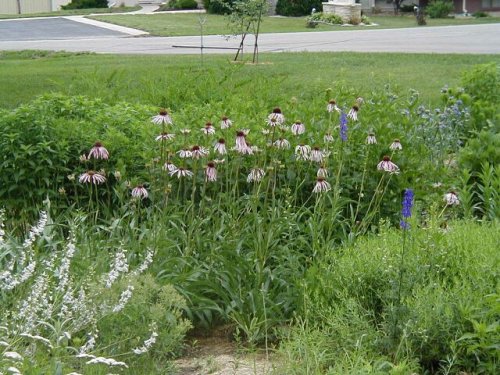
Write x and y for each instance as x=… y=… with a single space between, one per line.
x=439 y=8
x=295 y=8
x=180 y=4
x=85 y=4
x=217 y=6
x=480 y=14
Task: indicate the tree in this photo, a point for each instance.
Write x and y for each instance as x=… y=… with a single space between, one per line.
x=244 y=18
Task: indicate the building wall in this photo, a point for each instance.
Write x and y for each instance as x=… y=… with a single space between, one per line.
x=30 y=6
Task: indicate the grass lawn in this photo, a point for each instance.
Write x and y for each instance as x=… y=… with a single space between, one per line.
x=24 y=75
x=188 y=24
x=71 y=12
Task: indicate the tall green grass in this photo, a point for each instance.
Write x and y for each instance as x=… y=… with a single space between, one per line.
x=174 y=81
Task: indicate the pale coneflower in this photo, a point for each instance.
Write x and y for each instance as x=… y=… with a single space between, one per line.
x=276 y=117
x=302 y=152
x=165 y=137
x=396 y=145
x=241 y=143
x=370 y=139
x=451 y=199
x=92 y=177
x=140 y=192
x=208 y=129
x=98 y=152
x=225 y=123
x=162 y=118
x=180 y=172
x=353 y=113
x=210 y=172
x=328 y=137
x=282 y=143
x=387 y=165
x=298 y=128
x=316 y=155
x=255 y=175
x=322 y=172
x=220 y=147
x=169 y=167
x=332 y=106
x=184 y=153
x=321 y=186
x=198 y=152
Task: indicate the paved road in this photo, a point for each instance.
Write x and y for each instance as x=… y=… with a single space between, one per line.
x=478 y=39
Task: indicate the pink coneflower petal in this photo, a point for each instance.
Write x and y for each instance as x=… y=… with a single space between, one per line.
x=321 y=186
x=210 y=172
x=298 y=128
x=165 y=137
x=282 y=143
x=303 y=152
x=198 y=152
x=387 y=165
x=255 y=175
x=140 y=192
x=332 y=106
x=328 y=138
x=371 y=140
x=162 y=118
x=276 y=117
x=181 y=172
x=322 y=172
x=91 y=177
x=353 y=113
x=396 y=145
x=316 y=155
x=184 y=153
x=169 y=167
x=451 y=199
x=208 y=129
x=98 y=152
x=225 y=123
x=220 y=147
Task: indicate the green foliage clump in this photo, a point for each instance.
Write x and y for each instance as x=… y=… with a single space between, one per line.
x=296 y=8
x=482 y=85
x=44 y=140
x=439 y=8
x=448 y=286
x=151 y=304
x=333 y=19
x=180 y=4
x=218 y=6
x=86 y=4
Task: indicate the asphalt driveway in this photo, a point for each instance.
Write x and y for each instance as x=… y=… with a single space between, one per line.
x=51 y=29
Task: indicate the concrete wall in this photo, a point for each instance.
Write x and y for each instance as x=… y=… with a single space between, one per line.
x=30 y=6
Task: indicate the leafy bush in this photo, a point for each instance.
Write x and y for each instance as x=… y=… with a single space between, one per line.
x=180 y=4
x=480 y=14
x=85 y=4
x=295 y=8
x=333 y=19
x=439 y=8
x=217 y=6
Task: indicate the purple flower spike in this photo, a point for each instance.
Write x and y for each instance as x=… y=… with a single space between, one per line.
x=343 y=127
